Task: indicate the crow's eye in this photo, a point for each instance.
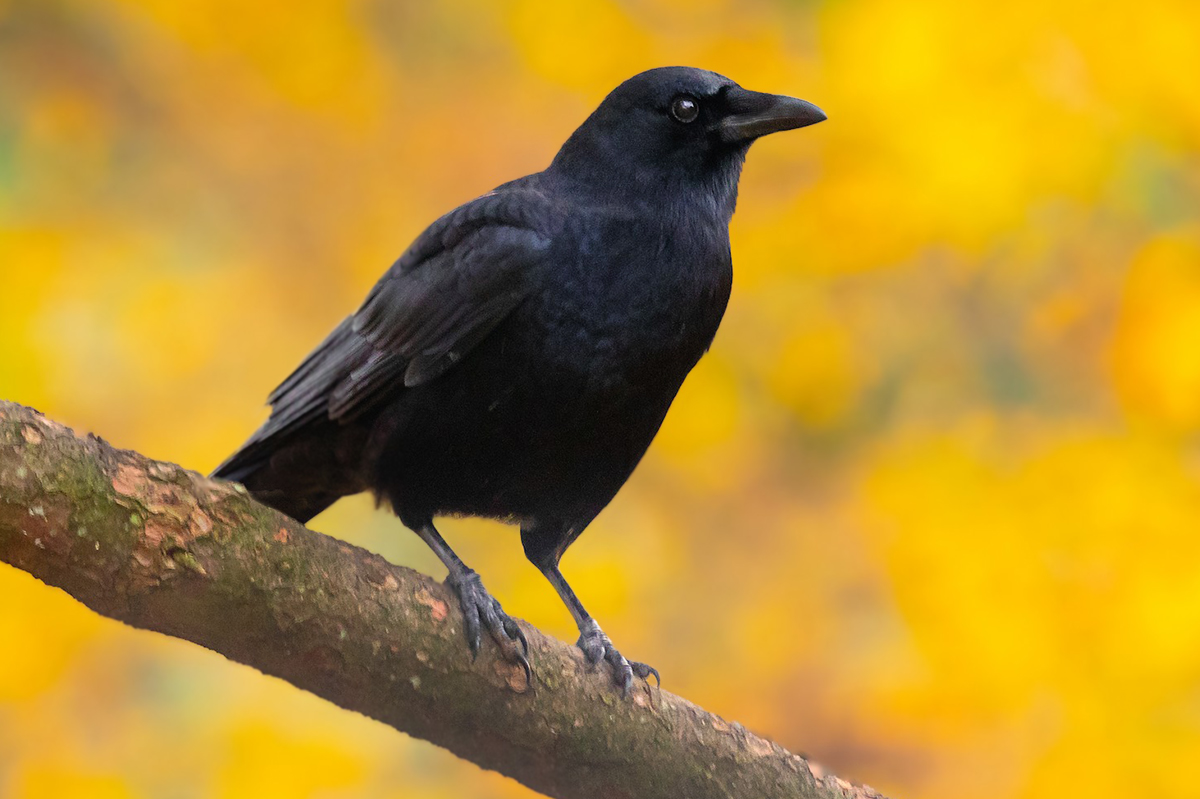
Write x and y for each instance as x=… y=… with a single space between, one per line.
x=685 y=108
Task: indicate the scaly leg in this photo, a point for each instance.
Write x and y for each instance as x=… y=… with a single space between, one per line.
x=595 y=644
x=479 y=608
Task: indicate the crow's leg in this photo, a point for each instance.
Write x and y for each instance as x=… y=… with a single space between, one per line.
x=595 y=644
x=479 y=608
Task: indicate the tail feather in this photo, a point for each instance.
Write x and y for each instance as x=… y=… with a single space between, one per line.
x=305 y=475
x=300 y=508
x=301 y=461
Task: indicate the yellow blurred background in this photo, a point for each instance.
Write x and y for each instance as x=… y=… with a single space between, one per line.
x=929 y=510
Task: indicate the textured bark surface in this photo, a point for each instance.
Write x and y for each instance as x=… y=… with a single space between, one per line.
x=165 y=549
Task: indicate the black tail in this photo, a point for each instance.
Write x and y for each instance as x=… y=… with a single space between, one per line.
x=300 y=508
x=301 y=460
x=303 y=475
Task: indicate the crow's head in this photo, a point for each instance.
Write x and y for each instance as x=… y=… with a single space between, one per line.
x=677 y=128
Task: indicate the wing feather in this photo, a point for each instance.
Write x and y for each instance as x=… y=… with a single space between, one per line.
x=457 y=282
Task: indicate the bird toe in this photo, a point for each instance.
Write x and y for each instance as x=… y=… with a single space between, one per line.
x=597 y=647
x=481 y=611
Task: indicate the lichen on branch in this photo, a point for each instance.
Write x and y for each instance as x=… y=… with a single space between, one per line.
x=166 y=549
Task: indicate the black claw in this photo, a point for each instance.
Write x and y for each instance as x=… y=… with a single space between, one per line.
x=645 y=672
x=514 y=631
x=596 y=647
x=523 y=662
x=480 y=610
x=471 y=622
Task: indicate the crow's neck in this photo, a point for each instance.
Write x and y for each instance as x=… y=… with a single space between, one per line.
x=611 y=174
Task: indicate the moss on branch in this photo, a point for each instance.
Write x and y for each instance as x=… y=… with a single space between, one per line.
x=166 y=549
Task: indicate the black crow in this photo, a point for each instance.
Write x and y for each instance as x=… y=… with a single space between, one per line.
x=517 y=360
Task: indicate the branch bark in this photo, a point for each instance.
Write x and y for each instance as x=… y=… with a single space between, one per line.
x=165 y=549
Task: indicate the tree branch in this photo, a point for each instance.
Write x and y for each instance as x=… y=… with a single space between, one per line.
x=166 y=549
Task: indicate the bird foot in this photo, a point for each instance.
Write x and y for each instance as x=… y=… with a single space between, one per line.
x=481 y=612
x=597 y=646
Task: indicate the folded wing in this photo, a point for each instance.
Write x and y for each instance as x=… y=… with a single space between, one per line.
x=459 y=280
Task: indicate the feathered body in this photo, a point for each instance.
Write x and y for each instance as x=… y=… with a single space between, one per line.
x=518 y=359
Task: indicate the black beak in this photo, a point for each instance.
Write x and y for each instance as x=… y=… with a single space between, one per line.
x=753 y=114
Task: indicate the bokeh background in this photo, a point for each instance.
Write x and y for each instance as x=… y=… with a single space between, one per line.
x=928 y=511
